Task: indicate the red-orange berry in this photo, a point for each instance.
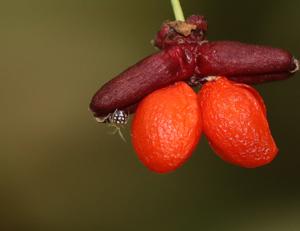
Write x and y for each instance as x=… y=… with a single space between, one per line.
x=167 y=127
x=235 y=123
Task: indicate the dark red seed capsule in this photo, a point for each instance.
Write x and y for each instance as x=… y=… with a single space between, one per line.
x=250 y=79
x=238 y=61
x=154 y=72
x=228 y=58
x=172 y=33
x=258 y=79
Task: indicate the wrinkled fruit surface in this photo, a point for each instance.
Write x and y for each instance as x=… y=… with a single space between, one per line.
x=167 y=127
x=235 y=123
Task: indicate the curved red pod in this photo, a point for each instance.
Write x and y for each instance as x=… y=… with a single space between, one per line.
x=154 y=72
x=229 y=58
x=240 y=62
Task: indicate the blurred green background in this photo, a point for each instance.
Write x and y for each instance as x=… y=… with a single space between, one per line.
x=60 y=170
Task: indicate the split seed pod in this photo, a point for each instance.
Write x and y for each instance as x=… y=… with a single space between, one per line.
x=235 y=123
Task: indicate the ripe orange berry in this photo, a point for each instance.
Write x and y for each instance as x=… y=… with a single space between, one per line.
x=166 y=127
x=235 y=123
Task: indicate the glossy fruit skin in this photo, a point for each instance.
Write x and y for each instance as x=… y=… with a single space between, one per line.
x=235 y=123
x=167 y=127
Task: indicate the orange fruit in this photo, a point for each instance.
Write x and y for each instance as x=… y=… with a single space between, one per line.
x=235 y=123
x=166 y=127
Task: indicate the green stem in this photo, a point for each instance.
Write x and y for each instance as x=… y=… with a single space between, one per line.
x=179 y=16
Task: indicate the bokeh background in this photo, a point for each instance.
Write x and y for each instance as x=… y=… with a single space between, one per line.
x=60 y=170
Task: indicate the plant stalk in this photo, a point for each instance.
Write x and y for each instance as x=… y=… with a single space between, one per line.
x=177 y=9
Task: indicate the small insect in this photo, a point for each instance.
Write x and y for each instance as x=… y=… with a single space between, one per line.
x=115 y=120
x=117 y=117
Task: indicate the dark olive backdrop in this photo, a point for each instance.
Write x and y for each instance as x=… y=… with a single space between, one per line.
x=59 y=170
